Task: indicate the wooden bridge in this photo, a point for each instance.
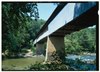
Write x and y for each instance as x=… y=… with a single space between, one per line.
x=67 y=18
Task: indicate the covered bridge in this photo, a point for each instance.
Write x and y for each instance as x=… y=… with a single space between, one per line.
x=66 y=18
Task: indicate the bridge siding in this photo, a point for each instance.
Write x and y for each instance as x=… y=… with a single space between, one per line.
x=68 y=13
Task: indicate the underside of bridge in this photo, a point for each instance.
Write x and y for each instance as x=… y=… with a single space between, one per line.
x=55 y=51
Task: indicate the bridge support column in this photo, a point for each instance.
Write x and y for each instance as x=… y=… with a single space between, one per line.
x=39 y=48
x=55 y=51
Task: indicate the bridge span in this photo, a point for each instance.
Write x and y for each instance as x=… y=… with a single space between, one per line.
x=67 y=18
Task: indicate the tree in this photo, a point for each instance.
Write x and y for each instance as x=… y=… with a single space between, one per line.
x=16 y=24
x=81 y=41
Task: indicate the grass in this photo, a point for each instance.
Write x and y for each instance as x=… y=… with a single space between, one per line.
x=20 y=63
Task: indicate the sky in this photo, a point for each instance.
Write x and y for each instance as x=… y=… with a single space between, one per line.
x=45 y=10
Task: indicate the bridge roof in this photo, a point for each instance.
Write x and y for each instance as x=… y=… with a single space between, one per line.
x=53 y=15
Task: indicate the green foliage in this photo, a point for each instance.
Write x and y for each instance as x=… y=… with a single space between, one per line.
x=53 y=66
x=82 y=41
x=18 y=27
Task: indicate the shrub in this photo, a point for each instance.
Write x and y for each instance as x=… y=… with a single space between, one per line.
x=51 y=66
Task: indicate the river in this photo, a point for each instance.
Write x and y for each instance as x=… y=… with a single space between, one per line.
x=85 y=64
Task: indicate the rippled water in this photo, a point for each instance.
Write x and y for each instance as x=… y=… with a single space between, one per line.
x=82 y=57
x=81 y=66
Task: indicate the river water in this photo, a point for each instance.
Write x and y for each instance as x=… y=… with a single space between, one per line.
x=84 y=58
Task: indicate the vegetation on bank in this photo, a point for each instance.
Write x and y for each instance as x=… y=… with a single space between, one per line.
x=81 y=41
x=50 y=67
x=20 y=24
